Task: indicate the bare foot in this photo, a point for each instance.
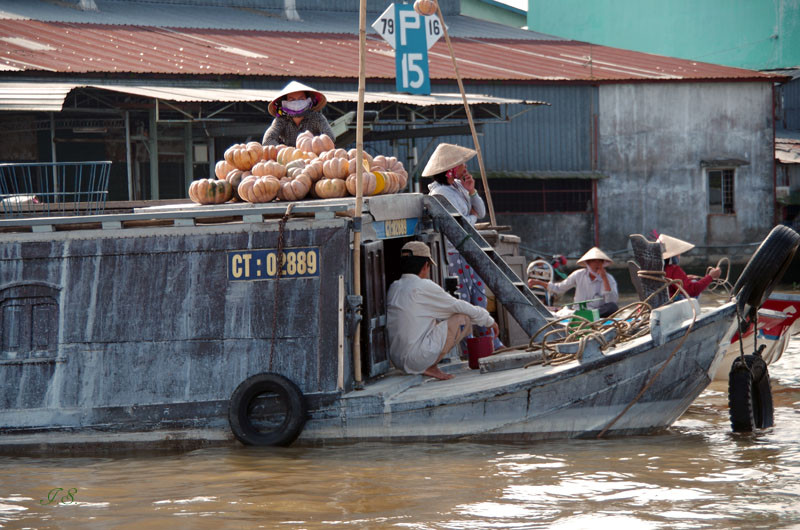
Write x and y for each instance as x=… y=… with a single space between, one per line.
x=434 y=371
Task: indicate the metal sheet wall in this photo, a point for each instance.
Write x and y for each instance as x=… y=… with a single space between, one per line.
x=791 y=105
x=557 y=137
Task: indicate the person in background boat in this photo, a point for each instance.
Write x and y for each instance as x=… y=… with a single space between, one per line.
x=296 y=109
x=451 y=179
x=423 y=321
x=672 y=248
x=592 y=283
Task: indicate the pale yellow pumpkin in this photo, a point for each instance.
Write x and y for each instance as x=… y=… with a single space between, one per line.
x=333 y=153
x=295 y=167
x=330 y=188
x=287 y=154
x=314 y=170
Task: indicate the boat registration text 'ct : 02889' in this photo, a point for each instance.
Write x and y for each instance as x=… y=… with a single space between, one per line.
x=262 y=264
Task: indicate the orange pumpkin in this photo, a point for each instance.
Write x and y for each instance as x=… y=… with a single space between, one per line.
x=425 y=7
x=294 y=189
x=210 y=191
x=271 y=152
x=309 y=143
x=333 y=153
x=351 y=154
x=269 y=168
x=336 y=168
x=222 y=169
x=314 y=170
x=368 y=183
x=244 y=156
x=330 y=188
x=259 y=189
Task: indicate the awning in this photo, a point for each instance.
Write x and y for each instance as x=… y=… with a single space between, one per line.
x=50 y=97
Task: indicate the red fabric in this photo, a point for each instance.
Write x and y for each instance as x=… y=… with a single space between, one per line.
x=693 y=287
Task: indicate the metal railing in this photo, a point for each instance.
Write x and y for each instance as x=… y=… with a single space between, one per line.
x=53 y=188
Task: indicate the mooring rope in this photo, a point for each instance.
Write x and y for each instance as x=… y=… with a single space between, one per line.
x=279 y=267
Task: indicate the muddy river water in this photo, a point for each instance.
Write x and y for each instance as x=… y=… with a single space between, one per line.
x=696 y=475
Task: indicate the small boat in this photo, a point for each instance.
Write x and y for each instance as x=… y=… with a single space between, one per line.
x=175 y=326
x=777 y=323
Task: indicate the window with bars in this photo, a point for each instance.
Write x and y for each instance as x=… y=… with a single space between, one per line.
x=720 y=191
x=567 y=195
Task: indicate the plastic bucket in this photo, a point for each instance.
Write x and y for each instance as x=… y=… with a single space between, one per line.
x=477 y=348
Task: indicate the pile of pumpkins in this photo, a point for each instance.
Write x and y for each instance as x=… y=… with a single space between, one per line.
x=261 y=173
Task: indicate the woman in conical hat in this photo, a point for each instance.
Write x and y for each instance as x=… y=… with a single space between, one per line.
x=296 y=109
x=592 y=283
x=671 y=250
x=451 y=180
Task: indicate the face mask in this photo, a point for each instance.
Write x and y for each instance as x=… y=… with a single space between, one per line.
x=297 y=106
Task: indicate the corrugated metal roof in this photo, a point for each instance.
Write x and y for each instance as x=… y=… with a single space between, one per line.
x=157 y=14
x=39 y=96
x=34 y=46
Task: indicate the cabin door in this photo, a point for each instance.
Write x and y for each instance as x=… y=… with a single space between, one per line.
x=374 y=343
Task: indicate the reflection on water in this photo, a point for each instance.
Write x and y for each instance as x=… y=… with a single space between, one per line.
x=697 y=475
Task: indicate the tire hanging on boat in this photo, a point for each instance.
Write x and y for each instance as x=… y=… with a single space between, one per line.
x=750 y=395
x=267 y=409
x=765 y=268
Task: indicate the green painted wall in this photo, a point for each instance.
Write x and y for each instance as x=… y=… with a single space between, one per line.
x=483 y=11
x=755 y=34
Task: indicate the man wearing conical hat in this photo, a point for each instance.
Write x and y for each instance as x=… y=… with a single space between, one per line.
x=591 y=283
x=672 y=248
x=296 y=109
x=451 y=180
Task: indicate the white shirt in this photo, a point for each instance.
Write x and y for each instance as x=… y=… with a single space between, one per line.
x=416 y=311
x=587 y=288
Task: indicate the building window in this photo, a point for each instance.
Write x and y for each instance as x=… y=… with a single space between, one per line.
x=558 y=195
x=720 y=191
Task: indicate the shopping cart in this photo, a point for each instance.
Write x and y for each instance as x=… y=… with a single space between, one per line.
x=53 y=188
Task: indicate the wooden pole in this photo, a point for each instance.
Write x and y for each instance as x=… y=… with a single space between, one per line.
x=489 y=204
x=362 y=46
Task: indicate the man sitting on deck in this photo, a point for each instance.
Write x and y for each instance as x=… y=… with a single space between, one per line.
x=424 y=322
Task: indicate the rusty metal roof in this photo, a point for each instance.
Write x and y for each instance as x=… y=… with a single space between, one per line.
x=33 y=46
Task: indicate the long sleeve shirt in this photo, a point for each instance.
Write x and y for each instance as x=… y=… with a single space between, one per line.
x=460 y=198
x=693 y=287
x=284 y=130
x=414 y=307
x=587 y=287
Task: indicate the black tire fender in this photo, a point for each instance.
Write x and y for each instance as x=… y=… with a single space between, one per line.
x=765 y=268
x=750 y=395
x=280 y=400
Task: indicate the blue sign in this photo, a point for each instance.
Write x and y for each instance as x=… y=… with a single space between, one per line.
x=410 y=34
x=395 y=228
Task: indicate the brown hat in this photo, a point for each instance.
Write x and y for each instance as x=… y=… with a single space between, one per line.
x=594 y=253
x=672 y=246
x=418 y=249
x=294 y=86
x=447 y=156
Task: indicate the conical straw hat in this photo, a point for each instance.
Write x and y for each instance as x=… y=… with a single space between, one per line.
x=594 y=253
x=672 y=246
x=295 y=86
x=447 y=156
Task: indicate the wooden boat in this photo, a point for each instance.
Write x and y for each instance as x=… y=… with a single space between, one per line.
x=172 y=327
